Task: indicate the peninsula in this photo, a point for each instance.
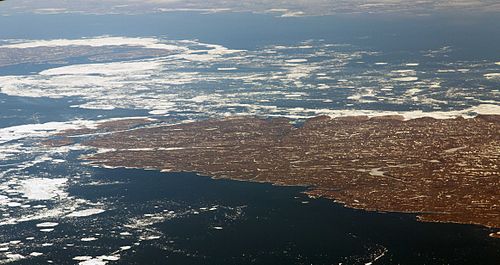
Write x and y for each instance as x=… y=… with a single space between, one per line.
x=443 y=170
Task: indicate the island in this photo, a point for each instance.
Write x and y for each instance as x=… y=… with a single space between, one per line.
x=442 y=170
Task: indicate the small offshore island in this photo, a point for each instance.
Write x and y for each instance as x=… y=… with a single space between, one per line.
x=444 y=170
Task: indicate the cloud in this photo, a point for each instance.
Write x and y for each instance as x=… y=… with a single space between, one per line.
x=285 y=8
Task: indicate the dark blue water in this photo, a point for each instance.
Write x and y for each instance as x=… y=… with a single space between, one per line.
x=277 y=228
x=22 y=110
x=261 y=224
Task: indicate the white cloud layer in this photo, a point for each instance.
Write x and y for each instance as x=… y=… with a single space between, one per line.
x=286 y=8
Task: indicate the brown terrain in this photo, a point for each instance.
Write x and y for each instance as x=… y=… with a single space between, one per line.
x=442 y=170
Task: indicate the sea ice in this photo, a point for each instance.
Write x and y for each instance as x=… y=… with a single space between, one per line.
x=150 y=43
x=85 y=213
x=405 y=79
x=80 y=258
x=43 y=188
x=47 y=225
x=296 y=61
x=492 y=76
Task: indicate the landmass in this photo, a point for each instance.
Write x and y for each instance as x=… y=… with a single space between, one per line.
x=444 y=170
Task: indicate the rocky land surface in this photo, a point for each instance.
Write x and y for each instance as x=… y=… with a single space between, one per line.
x=444 y=170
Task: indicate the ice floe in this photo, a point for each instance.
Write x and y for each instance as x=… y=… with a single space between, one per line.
x=86 y=213
x=227 y=68
x=80 y=258
x=492 y=75
x=405 y=79
x=12 y=257
x=296 y=61
x=47 y=225
x=14 y=204
x=151 y=43
x=39 y=130
x=99 y=260
x=93 y=261
x=106 y=69
x=43 y=188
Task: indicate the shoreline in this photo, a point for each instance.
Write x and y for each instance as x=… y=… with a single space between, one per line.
x=417 y=216
x=342 y=159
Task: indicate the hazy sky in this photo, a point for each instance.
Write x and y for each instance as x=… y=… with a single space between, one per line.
x=280 y=7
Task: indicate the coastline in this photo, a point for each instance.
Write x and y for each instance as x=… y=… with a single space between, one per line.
x=225 y=147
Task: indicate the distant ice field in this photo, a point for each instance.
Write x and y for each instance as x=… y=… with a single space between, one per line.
x=188 y=77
